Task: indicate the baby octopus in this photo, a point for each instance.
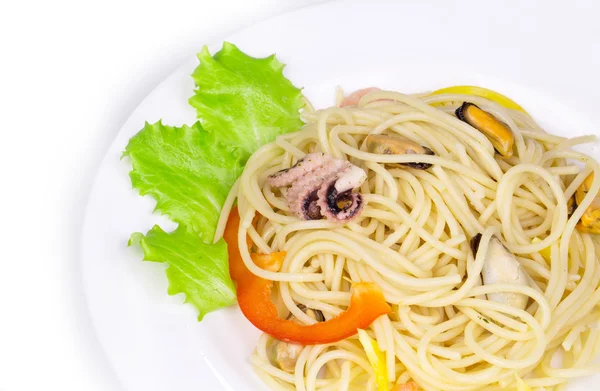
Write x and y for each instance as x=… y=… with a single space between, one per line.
x=322 y=186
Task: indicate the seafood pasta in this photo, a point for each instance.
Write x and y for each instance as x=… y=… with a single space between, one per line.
x=452 y=231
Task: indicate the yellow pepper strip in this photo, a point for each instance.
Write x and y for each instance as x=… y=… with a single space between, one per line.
x=521 y=386
x=482 y=92
x=376 y=358
x=545 y=252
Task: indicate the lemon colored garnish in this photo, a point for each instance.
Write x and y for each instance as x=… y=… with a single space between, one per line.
x=482 y=92
x=376 y=358
x=545 y=252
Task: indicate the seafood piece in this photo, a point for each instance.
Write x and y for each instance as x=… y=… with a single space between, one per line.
x=356 y=96
x=387 y=145
x=335 y=198
x=322 y=186
x=303 y=166
x=285 y=354
x=590 y=220
x=497 y=132
x=501 y=267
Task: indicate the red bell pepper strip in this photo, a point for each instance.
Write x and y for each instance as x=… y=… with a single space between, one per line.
x=254 y=298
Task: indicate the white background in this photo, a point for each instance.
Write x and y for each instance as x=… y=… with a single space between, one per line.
x=70 y=73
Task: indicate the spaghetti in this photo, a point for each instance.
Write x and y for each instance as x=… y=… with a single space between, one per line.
x=412 y=240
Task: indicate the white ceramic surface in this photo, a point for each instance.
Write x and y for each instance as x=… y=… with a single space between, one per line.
x=543 y=55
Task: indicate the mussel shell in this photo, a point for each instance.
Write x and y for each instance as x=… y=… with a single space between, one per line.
x=475 y=243
x=571 y=206
x=461 y=110
x=376 y=143
x=419 y=166
x=318 y=315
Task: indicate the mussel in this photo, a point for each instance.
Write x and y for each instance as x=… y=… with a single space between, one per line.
x=496 y=131
x=500 y=266
x=314 y=314
x=387 y=145
x=590 y=220
x=284 y=355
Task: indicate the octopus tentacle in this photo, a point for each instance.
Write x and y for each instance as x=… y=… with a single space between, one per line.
x=321 y=186
x=336 y=200
x=303 y=166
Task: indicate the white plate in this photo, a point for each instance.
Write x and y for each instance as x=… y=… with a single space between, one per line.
x=543 y=55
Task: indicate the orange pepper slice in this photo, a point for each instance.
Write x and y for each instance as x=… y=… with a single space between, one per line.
x=410 y=386
x=254 y=298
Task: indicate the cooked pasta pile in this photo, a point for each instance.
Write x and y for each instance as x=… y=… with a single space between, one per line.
x=412 y=239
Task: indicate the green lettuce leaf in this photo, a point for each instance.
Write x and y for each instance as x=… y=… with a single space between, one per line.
x=242 y=103
x=246 y=99
x=187 y=170
x=195 y=268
